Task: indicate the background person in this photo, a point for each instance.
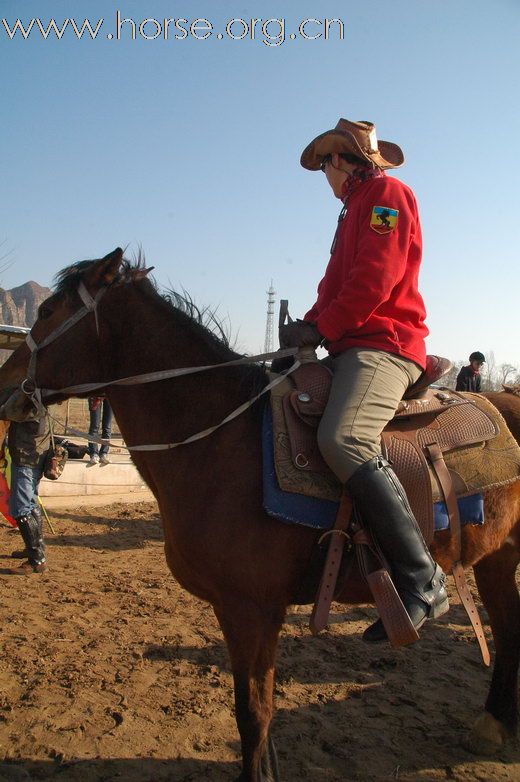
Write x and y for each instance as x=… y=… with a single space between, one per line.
x=100 y=418
x=28 y=445
x=469 y=378
x=370 y=315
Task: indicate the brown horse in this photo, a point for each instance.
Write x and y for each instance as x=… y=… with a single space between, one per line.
x=219 y=543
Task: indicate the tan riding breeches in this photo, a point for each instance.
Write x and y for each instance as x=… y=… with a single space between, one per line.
x=366 y=389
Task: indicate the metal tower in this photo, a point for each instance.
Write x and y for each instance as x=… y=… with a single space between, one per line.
x=269 y=326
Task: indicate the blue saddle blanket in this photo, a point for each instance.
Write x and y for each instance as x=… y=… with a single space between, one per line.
x=321 y=514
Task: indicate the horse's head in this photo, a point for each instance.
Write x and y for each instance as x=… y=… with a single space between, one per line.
x=65 y=344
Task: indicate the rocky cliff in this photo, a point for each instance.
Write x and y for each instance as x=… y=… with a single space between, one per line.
x=19 y=306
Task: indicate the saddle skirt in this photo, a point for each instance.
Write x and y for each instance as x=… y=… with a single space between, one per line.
x=478 y=448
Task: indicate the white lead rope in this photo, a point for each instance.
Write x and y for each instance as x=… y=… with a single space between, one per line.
x=165 y=374
x=194 y=437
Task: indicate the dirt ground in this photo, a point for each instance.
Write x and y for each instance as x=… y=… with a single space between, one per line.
x=109 y=671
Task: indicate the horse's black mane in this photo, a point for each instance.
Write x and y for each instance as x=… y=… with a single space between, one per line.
x=207 y=324
x=217 y=331
x=67 y=280
x=204 y=319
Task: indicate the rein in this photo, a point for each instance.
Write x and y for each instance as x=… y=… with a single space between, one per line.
x=36 y=394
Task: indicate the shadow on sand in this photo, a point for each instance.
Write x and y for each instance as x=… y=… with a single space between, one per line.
x=124 y=769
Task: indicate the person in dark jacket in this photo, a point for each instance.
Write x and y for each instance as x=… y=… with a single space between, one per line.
x=28 y=445
x=370 y=315
x=469 y=378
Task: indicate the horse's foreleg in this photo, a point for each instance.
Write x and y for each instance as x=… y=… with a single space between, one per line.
x=495 y=577
x=251 y=634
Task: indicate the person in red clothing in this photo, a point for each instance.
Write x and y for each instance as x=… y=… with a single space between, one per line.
x=370 y=316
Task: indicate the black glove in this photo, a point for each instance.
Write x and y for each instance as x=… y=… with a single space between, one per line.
x=299 y=334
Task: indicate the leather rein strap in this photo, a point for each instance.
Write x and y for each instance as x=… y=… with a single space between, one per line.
x=446 y=484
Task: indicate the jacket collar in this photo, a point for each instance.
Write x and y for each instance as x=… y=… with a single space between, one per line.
x=357 y=178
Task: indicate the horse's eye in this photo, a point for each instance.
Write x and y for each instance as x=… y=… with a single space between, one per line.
x=44 y=312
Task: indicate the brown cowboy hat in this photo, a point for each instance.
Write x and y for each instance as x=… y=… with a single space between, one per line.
x=357 y=138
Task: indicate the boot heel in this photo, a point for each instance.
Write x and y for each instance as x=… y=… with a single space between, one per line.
x=438 y=609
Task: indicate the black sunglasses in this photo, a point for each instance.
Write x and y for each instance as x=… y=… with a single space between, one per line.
x=324 y=162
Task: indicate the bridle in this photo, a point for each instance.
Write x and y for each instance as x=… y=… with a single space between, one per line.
x=90 y=305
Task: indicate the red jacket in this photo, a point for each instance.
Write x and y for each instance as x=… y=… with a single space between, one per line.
x=369 y=296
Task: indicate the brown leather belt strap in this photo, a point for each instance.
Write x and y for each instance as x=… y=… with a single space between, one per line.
x=471 y=610
x=446 y=484
x=325 y=593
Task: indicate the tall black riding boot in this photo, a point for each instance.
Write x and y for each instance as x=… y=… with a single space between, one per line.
x=31 y=530
x=381 y=500
x=24 y=553
x=38 y=517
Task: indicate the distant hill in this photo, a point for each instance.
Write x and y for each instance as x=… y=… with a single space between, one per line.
x=19 y=306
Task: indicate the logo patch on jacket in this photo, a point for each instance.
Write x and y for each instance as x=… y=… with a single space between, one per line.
x=383 y=219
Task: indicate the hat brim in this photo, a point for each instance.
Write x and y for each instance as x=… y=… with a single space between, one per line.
x=389 y=155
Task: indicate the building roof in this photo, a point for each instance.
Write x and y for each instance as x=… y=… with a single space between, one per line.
x=12 y=336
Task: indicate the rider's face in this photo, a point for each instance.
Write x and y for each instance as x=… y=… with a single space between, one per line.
x=336 y=170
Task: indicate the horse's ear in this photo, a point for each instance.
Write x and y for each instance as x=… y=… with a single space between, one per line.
x=105 y=271
x=140 y=274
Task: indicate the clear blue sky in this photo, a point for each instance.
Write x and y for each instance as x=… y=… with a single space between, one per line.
x=191 y=149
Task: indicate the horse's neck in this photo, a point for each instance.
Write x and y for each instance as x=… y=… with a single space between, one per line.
x=169 y=410
x=158 y=338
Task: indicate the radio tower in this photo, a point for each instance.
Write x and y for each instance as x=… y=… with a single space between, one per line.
x=269 y=330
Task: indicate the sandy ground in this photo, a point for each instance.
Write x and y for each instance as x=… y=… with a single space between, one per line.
x=109 y=671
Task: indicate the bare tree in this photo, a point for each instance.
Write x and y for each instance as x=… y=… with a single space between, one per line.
x=504 y=370
x=450 y=378
x=489 y=382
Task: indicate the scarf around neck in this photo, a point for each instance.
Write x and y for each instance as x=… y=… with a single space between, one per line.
x=356 y=178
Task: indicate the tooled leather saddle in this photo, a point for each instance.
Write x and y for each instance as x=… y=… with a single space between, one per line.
x=428 y=423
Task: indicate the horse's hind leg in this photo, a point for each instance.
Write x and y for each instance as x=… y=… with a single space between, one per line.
x=495 y=576
x=251 y=634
